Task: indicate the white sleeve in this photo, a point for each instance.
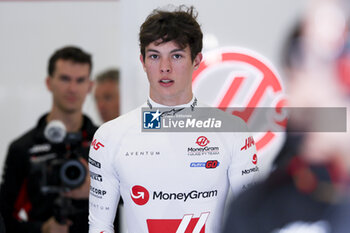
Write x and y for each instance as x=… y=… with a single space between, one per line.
x=244 y=168
x=104 y=186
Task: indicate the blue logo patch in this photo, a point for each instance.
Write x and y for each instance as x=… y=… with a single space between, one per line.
x=208 y=164
x=151 y=120
x=198 y=164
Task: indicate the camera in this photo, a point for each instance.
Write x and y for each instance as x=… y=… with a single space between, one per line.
x=57 y=168
x=62 y=174
x=60 y=170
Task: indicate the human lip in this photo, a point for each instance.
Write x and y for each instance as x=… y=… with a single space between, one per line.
x=166 y=82
x=71 y=98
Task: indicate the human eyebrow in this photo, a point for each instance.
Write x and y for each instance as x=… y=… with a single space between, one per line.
x=64 y=77
x=177 y=50
x=152 y=51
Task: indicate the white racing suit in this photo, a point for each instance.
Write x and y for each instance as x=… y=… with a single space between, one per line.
x=170 y=182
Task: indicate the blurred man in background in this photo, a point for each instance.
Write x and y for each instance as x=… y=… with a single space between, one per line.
x=107 y=94
x=309 y=190
x=45 y=183
x=108 y=104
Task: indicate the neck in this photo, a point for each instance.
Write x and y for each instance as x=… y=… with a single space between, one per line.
x=172 y=101
x=72 y=121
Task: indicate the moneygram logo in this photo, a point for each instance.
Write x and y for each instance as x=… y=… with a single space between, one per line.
x=203 y=149
x=255 y=159
x=250 y=170
x=194 y=194
x=139 y=195
x=202 y=141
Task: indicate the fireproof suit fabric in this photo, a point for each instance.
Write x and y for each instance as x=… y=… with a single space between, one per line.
x=162 y=176
x=20 y=188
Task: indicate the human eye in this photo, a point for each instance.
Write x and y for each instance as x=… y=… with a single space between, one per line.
x=108 y=97
x=81 y=80
x=153 y=56
x=177 y=56
x=64 y=78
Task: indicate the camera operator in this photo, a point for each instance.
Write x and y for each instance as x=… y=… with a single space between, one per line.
x=42 y=166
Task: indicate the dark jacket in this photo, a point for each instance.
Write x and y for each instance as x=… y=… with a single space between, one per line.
x=301 y=195
x=24 y=178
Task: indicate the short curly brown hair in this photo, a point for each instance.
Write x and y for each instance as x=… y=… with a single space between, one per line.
x=179 y=26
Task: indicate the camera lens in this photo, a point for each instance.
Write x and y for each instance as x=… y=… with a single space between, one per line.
x=72 y=173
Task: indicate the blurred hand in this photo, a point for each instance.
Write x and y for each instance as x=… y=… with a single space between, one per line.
x=82 y=192
x=52 y=226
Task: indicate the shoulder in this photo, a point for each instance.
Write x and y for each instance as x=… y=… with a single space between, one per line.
x=238 y=123
x=120 y=125
x=22 y=144
x=19 y=149
x=229 y=122
x=89 y=126
x=26 y=140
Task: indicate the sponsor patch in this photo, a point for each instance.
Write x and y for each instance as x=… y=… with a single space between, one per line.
x=139 y=195
x=188 y=224
x=94 y=163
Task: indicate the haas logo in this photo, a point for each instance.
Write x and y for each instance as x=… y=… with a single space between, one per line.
x=248 y=143
x=188 y=224
x=202 y=141
x=139 y=195
x=238 y=77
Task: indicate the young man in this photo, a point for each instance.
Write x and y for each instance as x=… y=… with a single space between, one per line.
x=34 y=161
x=107 y=94
x=152 y=171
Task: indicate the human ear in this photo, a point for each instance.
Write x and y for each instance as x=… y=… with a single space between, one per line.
x=143 y=62
x=197 y=60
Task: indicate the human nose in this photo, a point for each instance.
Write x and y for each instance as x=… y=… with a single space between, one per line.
x=73 y=86
x=165 y=66
x=101 y=105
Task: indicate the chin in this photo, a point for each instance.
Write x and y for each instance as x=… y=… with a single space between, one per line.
x=71 y=110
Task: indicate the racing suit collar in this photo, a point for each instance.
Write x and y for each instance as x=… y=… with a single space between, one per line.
x=152 y=104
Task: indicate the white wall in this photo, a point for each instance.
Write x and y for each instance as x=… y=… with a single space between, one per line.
x=31 y=31
x=261 y=25
x=29 y=34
